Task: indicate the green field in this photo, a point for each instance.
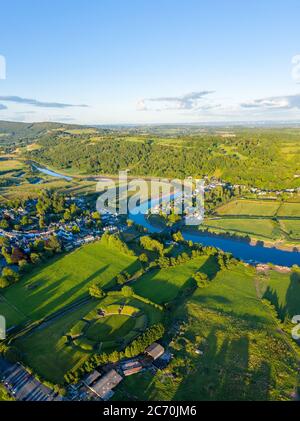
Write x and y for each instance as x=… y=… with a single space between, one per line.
x=10 y=165
x=249 y=207
x=289 y=209
x=46 y=350
x=51 y=352
x=291 y=227
x=11 y=313
x=283 y=291
x=164 y=285
x=242 y=355
x=252 y=227
x=65 y=279
x=110 y=327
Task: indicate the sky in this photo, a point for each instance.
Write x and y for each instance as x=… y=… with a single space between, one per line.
x=149 y=61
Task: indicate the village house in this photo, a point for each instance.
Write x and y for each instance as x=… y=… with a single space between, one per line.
x=155 y=350
x=102 y=386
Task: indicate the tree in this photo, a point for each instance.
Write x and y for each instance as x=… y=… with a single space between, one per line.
x=3 y=282
x=23 y=266
x=35 y=258
x=10 y=275
x=53 y=244
x=38 y=245
x=7 y=255
x=177 y=236
x=121 y=279
x=201 y=279
x=42 y=222
x=143 y=258
x=75 y=229
x=96 y=216
x=67 y=215
x=74 y=210
x=25 y=220
x=4 y=224
x=17 y=255
x=4 y=242
x=150 y=244
x=127 y=291
x=96 y=292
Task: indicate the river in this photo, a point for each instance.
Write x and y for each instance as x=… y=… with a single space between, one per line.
x=51 y=173
x=240 y=249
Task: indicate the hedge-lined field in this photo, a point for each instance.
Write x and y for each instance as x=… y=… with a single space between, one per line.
x=249 y=207
x=52 y=285
x=163 y=285
x=228 y=348
x=51 y=351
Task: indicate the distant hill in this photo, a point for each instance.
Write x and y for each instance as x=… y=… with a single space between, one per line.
x=17 y=134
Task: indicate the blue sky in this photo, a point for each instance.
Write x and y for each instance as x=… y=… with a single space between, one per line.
x=150 y=61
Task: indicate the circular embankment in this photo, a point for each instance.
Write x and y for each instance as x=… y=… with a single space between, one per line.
x=108 y=328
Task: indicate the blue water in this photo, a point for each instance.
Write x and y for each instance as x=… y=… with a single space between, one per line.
x=52 y=173
x=240 y=249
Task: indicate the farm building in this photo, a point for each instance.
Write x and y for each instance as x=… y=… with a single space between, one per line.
x=91 y=378
x=103 y=387
x=131 y=367
x=155 y=350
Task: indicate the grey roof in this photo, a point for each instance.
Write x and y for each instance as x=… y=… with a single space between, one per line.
x=106 y=383
x=155 y=350
x=91 y=377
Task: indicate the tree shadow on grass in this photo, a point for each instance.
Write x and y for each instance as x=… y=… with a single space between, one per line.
x=44 y=295
x=223 y=373
x=210 y=267
x=292 y=299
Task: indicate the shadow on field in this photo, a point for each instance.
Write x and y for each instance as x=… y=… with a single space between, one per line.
x=210 y=267
x=292 y=299
x=223 y=373
x=45 y=294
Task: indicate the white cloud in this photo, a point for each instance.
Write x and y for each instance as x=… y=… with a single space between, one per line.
x=37 y=103
x=2 y=67
x=296 y=68
x=190 y=101
x=279 y=102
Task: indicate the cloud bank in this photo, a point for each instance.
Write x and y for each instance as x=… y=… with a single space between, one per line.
x=36 y=103
x=189 y=101
x=287 y=102
x=296 y=68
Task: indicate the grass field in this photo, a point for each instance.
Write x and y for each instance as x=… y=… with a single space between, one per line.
x=289 y=209
x=242 y=354
x=10 y=312
x=50 y=354
x=283 y=291
x=110 y=327
x=253 y=227
x=249 y=207
x=10 y=165
x=164 y=285
x=291 y=227
x=26 y=190
x=46 y=350
x=63 y=280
